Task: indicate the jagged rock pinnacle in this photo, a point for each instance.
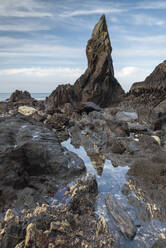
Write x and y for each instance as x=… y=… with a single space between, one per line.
x=99 y=42
x=98 y=83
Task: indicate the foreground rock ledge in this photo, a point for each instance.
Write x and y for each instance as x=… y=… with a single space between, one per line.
x=98 y=83
x=59 y=226
x=32 y=162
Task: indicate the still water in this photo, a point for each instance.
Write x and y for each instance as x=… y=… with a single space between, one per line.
x=111 y=180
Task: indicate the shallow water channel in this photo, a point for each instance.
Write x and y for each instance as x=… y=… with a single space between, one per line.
x=111 y=180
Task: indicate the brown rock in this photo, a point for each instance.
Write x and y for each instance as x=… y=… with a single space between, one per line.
x=97 y=84
x=151 y=91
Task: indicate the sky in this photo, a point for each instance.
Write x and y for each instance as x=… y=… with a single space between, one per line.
x=43 y=42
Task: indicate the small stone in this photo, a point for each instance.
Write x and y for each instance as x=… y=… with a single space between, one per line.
x=25 y=110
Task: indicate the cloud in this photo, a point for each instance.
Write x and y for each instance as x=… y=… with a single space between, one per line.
x=147 y=39
x=43 y=50
x=152 y=5
x=24 y=8
x=128 y=75
x=143 y=19
x=91 y=12
x=23 y=27
x=58 y=72
x=138 y=52
x=37 y=79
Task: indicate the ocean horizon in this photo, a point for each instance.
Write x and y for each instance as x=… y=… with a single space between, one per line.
x=37 y=96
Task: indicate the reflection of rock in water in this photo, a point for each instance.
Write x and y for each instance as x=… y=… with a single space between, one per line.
x=97 y=160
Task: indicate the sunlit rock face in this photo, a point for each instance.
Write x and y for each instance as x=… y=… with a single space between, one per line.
x=98 y=83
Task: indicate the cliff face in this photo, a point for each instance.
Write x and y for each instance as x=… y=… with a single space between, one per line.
x=153 y=90
x=98 y=83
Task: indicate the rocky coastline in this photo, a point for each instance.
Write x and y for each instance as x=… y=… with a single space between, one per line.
x=97 y=115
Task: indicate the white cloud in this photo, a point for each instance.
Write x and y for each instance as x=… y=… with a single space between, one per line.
x=138 y=52
x=37 y=79
x=58 y=72
x=24 y=8
x=128 y=75
x=91 y=12
x=34 y=49
x=147 y=39
x=146 y=20
x=152 y=5
x=23 y=27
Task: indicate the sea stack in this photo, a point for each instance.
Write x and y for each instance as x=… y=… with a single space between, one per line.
x=97 y=84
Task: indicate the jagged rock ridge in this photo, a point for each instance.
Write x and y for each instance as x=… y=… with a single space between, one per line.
x=153 y=90
x=98 y=83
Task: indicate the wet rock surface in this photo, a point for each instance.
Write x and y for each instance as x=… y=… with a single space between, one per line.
x=124 y=145
x=122 y=218
x=59 y=226
x=33 y=163
x=147 y=179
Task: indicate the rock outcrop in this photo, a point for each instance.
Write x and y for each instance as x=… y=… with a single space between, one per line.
x=59 y=225
x=32 y=162
x=19 y=95
x=151 y=91
x=97 y=84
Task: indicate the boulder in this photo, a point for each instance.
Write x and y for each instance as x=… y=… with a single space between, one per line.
x=158 y=116
x=126 y=116
x=122 y=218
x=32 y=160
x=118 y=147
x=97 y=84
x=3 y=107
x=87 y=107
x=25 y=110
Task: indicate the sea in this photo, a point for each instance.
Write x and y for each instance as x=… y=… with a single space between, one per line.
x=37 y=96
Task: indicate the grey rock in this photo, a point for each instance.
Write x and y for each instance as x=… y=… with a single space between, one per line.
x=19 y=95
x=30 y=156
x=3 y=107
x=121 y=217
x=118 y=147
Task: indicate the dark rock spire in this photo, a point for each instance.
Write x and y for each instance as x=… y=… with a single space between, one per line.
x=98 y=83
